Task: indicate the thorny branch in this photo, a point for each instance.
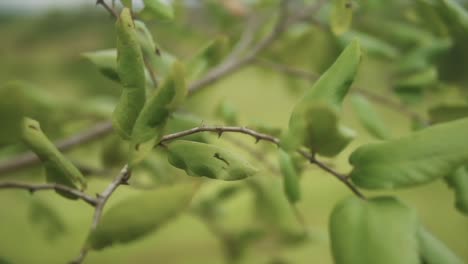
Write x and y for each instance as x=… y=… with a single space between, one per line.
x=50 y=186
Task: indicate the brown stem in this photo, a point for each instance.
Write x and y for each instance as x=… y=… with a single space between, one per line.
x=49 y=186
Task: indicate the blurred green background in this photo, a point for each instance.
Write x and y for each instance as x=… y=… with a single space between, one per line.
x=43 y=48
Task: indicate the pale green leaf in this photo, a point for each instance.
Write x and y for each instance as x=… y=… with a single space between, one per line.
x=157 y=9
x=418 y=158
x=371 y=44
x=369 y=117
x=341 y=16
x=381 y=230
x=58 y=168
x=138 y=216
x=291 y=184
x=206 y=160
x=434 y=251
x=458 y=181
x=105 y=61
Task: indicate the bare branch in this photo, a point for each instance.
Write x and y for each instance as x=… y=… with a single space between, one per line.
x=49 y=186
x=29 y=159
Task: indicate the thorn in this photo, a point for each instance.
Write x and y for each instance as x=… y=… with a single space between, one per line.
x=31 y=191
x=158 y=51
x=220 y=133
x=99 y=196
x=257 y=139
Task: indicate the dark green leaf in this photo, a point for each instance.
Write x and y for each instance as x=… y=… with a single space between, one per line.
x=444 y=113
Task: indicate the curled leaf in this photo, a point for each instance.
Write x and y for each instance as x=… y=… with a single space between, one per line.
x=58 y=168
x=206 y=160
x=130 y=68
x=291 y=185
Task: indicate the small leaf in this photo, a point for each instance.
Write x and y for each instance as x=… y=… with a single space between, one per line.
x=273 y=208
x=228 y=113
x=369 y=117
x=325 y=97
x=157 y=9
x=371 y=44
x=444 y=113
x=206 y=160
x=434 y=251
x=291 y=185
x=208 y=56
x=412 y=86
x=130 y=67
x=150 y=124
x=381 y=230
x=137 y=216
x=458 y=181
x=46 y=218
x=58 y=168
x=341 y=16
x=105 y=61
x=419 y=158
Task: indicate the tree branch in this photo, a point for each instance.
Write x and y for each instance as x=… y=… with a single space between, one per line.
x=49 y=186
x=268 y=138
x=102 y=198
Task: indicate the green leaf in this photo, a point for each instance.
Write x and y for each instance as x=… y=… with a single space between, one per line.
x=137 y=216
x=150 y=124
x=291 y=185
x=58 y=168
x=444 y=113
x=180 y=122
x=371 y=44
x=206 y=160
x=46 y=218
x=114 y=152
x=130 y=67
x=412 y=86
x=369 y=117
x=157 y=9
x=208 y=56
x=458 y=181
x=228 y=113
x=341 y=16
x=455 y=16
x=105 y=61
x=381 y=230
x=419 y=158
x=319 y=129
x=273 y=208
x=307 y=125
x=434 y=251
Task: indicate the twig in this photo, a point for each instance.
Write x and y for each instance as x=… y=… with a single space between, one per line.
x=108 y=8
x=102 y=198
x=231 y=65
x=268 y=138
x=49 y=186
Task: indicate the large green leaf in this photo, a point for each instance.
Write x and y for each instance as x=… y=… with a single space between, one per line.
x=369 y=117
x=381 y=230
x=58 y=168
x=421 y=157
x=434 y=251
x=458 y=181
x=137 y=216
x=206 y=160
x=341 y=16
x=316 y=114
x=130 y=68
x=291 y=185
